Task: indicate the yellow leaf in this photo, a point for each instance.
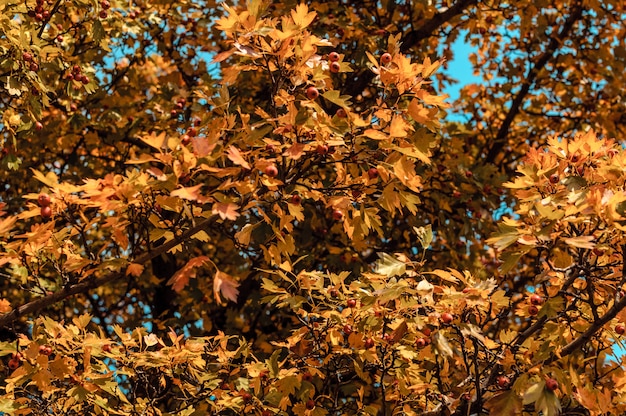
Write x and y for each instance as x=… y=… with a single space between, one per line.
x=421 y=114
x=375 y=134
x=583 y=241
x=158 y=142
x=301 y=16
x=398 y=127
x=243 y=236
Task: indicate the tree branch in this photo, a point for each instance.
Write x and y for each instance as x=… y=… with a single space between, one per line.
x=434 y=23
x=586 y=336
x=551 y=48
x=84 y=286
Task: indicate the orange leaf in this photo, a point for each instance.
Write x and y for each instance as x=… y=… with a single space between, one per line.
x=295 y=151
x=134 y=269
x=5 y=306
x=181 y=277
x=191 y=193
x=226 y=211
x=226 y=285
x=235 y=156
x=201 y=146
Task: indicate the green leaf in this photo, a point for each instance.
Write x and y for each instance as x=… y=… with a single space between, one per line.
x=98 y=31
x=505 y=403
x=425 y=235
x=533 y=393
x=389 y=266
x=334 y=97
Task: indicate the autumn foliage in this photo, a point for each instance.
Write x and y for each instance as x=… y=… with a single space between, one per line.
x=271 y=208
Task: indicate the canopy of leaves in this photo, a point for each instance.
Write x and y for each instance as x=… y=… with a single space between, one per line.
x=264 y=208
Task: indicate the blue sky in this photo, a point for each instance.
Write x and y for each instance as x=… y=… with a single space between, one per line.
x=460 y=68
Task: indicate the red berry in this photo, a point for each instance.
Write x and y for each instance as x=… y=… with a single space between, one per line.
x=533 y=310
x=552 y=384
x=372 y=173
x=310 y=404
x=103 y=14
x=307 y=377
x=456 y=194
x=369 y=343
x=27 y=56
x=192 y=132
x=106 y=348
x=351 y=303
x=295 y=199
x=536 y=299
x=84 y=79
x=312 y=93
x=270 y=148
x=267 y=413
x=554 y=178
x=503 y=382
x=46 y=212
x=46 y=14
x=620 y=329
x=446 y=318
x=468 y=174
x=14 y=363
x=271 y=171
x=341 y=113
x=347 y=329
x=59 y=38
x=76 y=69
x=38 y=125
x=420 y=343
x=105 y=4
x=185 y=139
x=34 y=66
x=73 y=107
x=337 y=215
x=335 y=67
x=246 y=397
x=385 y=58
x=321 y=149
x=333 y=56
x=43 y=200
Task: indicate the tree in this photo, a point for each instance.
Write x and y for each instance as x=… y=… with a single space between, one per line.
x=260 y=209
